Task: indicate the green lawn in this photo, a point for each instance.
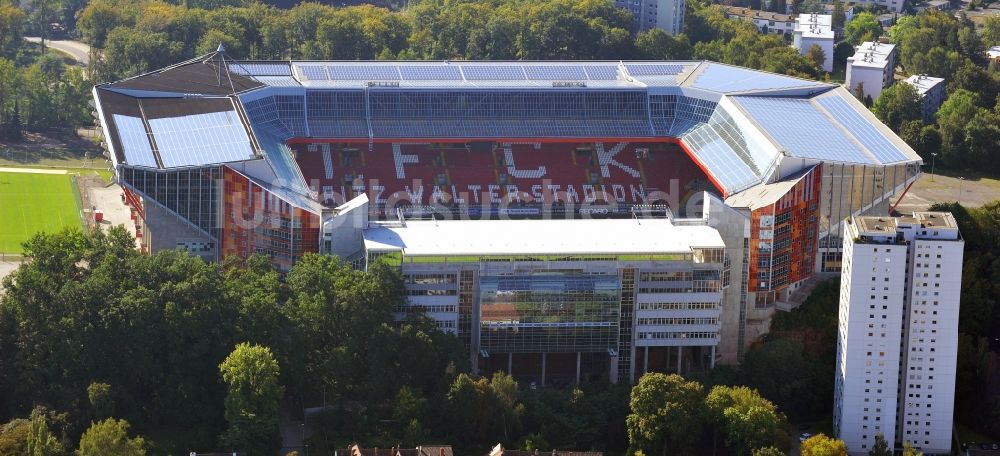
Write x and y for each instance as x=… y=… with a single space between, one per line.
x=31 y=203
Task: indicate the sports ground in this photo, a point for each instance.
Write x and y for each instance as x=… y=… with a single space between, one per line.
x=33 y=201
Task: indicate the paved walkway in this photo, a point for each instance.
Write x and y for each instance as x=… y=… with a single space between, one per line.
x=79 y=51
x=33 y=171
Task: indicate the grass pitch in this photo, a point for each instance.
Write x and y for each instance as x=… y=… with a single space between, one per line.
x=31 y=203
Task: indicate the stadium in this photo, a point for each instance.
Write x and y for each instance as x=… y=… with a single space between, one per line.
x=566 y=220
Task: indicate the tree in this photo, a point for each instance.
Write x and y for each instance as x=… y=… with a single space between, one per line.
x=898 y=104
x=41 y=442
x=14 y=437
x=101 y=402
x=975 y=78
x=982 y=140
x=110 y=437
x=657 y=44
x=768 y=451
x=505 y=391
x=665 y=413
x=816 y=56
x=809 y=6
x=863 y=27
x=839 y=17
x=251 y=374
x=908 y=450
x=991 y=30
x=881 y=447
x=747 y=420
x=821 y=445
x=11 y=30
x=955 y=114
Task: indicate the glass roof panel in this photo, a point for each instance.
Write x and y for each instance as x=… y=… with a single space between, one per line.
x=201 y=139
x=430 y=73
x=555 y=73
x=602 y=72
x=724 y=78
x=863 y=130
x=278 y=81
x=656 y=69
x=493 y=72
x=363 y=73
x=313 y=72
x=134 y=141
x=801 y=129
x=260 y=69
x=722 y=162
x=279 y=155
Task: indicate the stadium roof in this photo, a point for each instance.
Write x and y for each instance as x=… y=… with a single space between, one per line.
x=541 y=237
x=736 y=123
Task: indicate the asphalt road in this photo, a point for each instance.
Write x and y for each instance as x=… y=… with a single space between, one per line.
x=79 y=51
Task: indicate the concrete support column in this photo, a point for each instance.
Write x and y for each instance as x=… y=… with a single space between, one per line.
x=679 y=348
x=578 y=357
x=543 y=370
x=711 y=362
x=645 y=361
x=613 y=369
x=510 y=364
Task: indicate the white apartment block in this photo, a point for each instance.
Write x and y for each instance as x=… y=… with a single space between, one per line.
x=871 y=67
x=815 y=29
x=931 y=91
x=898 y=332
x=766 y=21
x=895 y=6
x=664 y=14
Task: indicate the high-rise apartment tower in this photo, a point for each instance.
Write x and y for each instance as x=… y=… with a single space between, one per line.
x=898 y=332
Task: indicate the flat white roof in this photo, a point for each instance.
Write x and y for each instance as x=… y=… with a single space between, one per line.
x=872 y=54
x=923 y=83
x=540 y=237
x=815 y=25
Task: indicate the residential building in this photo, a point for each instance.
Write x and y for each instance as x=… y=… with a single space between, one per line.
x=898 y=332
x=848 y=9
x=766 y=21
x=871 y=68
x=935 y=5
x=931 y=91
x=895 y=6
x=994 y=54
x=815 y=29
x=663 y=14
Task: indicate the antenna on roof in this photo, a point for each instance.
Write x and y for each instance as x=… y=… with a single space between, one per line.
x=221 y=67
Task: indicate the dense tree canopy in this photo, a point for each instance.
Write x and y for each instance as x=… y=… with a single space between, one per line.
x=253 y=394
x=110 y=437
x=148 y=334
x=746 y=420
x=821 y=445
x=135 y=37
x=666 y=413
x=863 y=27
x=897 y=105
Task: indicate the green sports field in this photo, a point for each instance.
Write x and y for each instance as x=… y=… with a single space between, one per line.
x=30 y=203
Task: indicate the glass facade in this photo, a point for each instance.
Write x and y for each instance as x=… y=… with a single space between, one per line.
x=549 y=311
x=193 y=194
x=509 y=113
x=258 y=221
